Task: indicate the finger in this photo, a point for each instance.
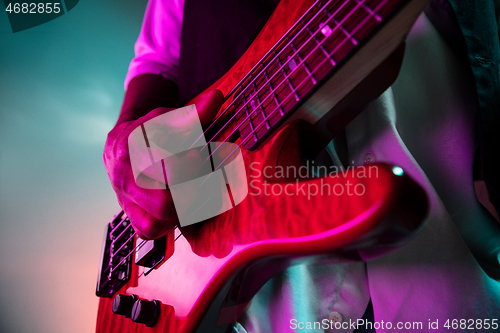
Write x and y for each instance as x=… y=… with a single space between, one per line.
x=153 y=197
x=172 y=128
x=207 y=105
x=153 y=114
x=165 y=127
x=149 y=194
x=173 y=170
x=145 y=225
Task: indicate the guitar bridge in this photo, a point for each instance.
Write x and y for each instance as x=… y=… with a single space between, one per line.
x=116 y=256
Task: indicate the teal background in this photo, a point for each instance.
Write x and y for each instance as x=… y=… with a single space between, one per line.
x=20 y=21
x=61 y=90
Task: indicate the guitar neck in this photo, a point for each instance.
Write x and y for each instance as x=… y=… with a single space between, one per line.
x=316 y=47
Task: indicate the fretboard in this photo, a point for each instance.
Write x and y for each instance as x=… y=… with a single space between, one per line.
x=322 y=40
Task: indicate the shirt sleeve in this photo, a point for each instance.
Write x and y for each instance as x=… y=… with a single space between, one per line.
x=158 y=47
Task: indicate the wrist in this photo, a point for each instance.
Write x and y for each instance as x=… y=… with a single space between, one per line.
x=147 y=92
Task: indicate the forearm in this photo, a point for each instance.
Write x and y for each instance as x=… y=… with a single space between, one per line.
x=146 y=92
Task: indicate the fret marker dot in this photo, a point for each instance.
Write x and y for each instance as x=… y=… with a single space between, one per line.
x=252 y=103
x=325 y=29
x=292 y=64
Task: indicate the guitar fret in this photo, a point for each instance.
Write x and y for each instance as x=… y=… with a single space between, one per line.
x=339 y=23
x=344 y=30
x=249 y=118
x=308 y=71
x=370 y=11
x=290 y=84
x=262 y=111
x=320 y=45
x=275 y=97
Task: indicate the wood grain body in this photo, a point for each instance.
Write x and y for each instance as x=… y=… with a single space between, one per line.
x=215 y=269
x=231 y=256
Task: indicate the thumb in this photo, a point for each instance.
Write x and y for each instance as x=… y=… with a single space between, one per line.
x=207 y=106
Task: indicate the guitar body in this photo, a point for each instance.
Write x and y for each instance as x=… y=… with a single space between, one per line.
x=212 y=270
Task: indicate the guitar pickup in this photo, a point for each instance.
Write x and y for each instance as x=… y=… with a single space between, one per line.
x=116 y=256
x=150 y=253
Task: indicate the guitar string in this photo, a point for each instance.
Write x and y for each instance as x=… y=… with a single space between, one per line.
x=122 y=219
x=125 y=229
x=280 y=69
x=243 y=141
x=290 y=40
x=286 y=36
x=270 y=62
x=303 y=81
x=307 y=77
x=124 y=243
x=131 y=252
x=361 y=3
x=286 y=76
x=128 y=255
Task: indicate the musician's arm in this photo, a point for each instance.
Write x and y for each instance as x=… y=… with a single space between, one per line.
x=146 y=92
x=151 y=211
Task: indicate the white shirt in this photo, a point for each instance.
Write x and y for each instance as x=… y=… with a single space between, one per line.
x=158 y=48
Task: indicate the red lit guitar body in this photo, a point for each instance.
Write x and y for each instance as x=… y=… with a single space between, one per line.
x=212 y=270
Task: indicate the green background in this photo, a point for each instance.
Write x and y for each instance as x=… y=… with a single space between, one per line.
x=61 y=90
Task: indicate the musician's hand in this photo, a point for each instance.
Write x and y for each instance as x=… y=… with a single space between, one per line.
x=151 y=212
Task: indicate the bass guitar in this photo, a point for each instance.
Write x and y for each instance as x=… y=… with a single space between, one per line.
x=310 y=71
